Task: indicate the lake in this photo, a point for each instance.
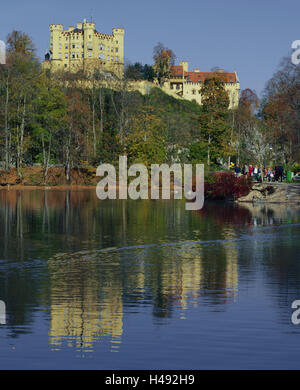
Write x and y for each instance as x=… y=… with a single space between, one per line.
x=92 y=284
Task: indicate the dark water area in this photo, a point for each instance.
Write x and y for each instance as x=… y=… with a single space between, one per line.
x=92 y=284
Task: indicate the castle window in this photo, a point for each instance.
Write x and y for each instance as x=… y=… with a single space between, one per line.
x=107 y=58
x=59 y=46
x=59 y=56
x=117 y=59
x=90 y=54
x=66 y=55
x=102 y=56
x=108 y=49
x=112 y=49
x=117 y=50
x=82 y=55
x=73 y=46
x=73 y=55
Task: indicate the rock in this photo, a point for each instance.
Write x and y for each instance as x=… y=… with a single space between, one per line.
x=253 y=196
x=273 y=193
x=258 y=187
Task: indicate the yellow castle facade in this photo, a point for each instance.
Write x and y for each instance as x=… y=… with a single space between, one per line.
x=84 y=48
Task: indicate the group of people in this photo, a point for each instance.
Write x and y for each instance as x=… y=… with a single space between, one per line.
x=260 y=173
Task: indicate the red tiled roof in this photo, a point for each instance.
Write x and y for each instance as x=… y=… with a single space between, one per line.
x=196 y=77
x=176 y=70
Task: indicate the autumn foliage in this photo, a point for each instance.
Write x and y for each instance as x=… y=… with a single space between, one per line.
x=224 y=185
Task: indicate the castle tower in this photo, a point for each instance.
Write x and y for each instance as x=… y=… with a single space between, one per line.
x=55 y=33
x=118 y=34
x=88 y=34
x=185 y=66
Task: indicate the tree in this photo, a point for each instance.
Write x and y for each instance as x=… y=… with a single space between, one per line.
x=18 y=78
x=49 y=120
x=213 y=119
x=139 y=72
x=280 y=111
x=148 y=73
x=246 y=127
x=21 y=43
x=147 y=139
x=163 y=59
x=134 y=72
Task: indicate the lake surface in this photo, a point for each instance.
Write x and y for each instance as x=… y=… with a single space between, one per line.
x=92 y=284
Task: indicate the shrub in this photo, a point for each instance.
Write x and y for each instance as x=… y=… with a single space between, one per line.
x=295 y=167
x=224 y=185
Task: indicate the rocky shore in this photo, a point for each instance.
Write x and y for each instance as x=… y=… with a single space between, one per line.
x=273 y=193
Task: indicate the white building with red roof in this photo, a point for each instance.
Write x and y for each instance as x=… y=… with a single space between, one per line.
x=188 y=85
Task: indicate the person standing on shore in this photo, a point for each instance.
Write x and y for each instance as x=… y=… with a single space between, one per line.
x=255 y=172
x=250 y=170
x=280 y=173
x=269 y=172
x=237 y=170
x=276 y=173
x=263 y=173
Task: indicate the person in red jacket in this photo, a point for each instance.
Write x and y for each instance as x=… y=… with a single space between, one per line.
x=250 y=170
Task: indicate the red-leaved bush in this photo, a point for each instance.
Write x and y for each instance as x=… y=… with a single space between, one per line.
x=224 y=185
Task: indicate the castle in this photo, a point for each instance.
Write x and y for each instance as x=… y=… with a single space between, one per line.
x=84 y=48
x=187 y=85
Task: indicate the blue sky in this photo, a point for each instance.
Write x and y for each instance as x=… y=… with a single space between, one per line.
x=247 y=36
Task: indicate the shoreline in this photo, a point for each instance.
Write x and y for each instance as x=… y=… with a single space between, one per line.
x=261 y=193
x=65 y=187
x=85 y=179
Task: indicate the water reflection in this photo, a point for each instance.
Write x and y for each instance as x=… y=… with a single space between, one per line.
x=86 y=302
x=87 y=265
